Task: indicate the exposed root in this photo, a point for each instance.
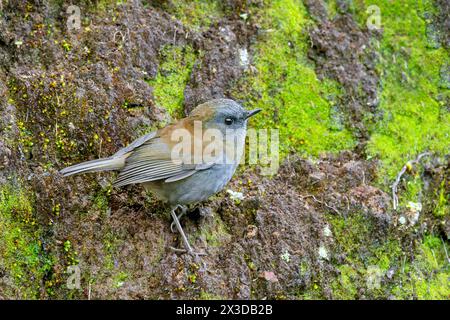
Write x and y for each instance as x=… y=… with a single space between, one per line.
x=400 y=174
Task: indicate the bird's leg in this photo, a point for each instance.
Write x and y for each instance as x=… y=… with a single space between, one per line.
x=183 y=212
x=187 y=246
x=180 y=230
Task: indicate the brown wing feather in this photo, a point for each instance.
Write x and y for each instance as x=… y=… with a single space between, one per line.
x=152 y=159
x=149 y=162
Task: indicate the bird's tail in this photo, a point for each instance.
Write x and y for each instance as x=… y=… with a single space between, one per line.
x=105 y=164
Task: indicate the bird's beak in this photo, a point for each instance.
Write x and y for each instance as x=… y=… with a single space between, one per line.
x=251 y=113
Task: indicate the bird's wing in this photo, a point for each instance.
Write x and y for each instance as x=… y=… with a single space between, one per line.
x=136 y=143
x=188 y=173
x=152 y=160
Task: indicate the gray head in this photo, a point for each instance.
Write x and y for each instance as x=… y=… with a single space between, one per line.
x=223 y=114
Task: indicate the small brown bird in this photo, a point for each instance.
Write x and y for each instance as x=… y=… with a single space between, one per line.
x=185 y=162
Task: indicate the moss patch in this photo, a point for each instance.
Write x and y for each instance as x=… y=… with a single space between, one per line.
x=22 y=257
x=198 y=15
x=286 y=87
x=428 y=276
x=215 y=234
x=382 y=268
x=413 y=98
x=175 y=69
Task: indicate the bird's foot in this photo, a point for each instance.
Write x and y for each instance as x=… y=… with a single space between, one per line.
x=191 y=252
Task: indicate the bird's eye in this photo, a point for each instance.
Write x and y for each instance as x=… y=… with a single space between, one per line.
x=229 y=121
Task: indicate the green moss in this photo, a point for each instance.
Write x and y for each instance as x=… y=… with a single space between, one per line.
x=110 y=244
x=71 y=256
x=344 y=286
x=215 y=233
x=204 y=295
x=101 y=199
x=197 y=15
x=368 y=261
x=415 y=118
x=442 y=208
x=51 y=129
x=332 y=9
x=413 y=188
x=120 y=278
x=174 y=72
x=313 y=293
x=366 y=257
x=21 y=254
x=286 y=87
x=428 y=276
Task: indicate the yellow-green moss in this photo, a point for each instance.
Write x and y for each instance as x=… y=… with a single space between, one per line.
x=101 y=199
x=423 y=275
x=70 y=254
x=21 y=253
x=415 y=120
x=428 y=276
x=120 y=278
x=197 y=14
x=174 y=71
x=46 y=131
x=110 y=245
x=344 y=287
x=442 y=207
x=209 y=296
x=331 y=8
x=286 y=87
x=412 y=98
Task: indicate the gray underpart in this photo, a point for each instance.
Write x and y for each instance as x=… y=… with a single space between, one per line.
x=195 y=188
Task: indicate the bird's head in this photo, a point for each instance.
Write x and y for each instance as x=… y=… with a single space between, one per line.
x=217 y=126
x=224 y=115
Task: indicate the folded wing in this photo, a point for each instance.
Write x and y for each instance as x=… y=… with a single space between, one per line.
x=153 y=161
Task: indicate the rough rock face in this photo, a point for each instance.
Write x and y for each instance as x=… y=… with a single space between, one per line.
x=316 y=229
x=267 y=233
x=214 y=75
x=344 y=51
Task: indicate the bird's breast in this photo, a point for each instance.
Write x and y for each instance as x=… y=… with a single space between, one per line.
x=198 y=187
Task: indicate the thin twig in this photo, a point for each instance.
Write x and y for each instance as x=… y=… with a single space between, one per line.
x=400 y=174
x=322 y=202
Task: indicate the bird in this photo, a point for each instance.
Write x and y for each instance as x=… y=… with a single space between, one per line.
x=182 y=163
